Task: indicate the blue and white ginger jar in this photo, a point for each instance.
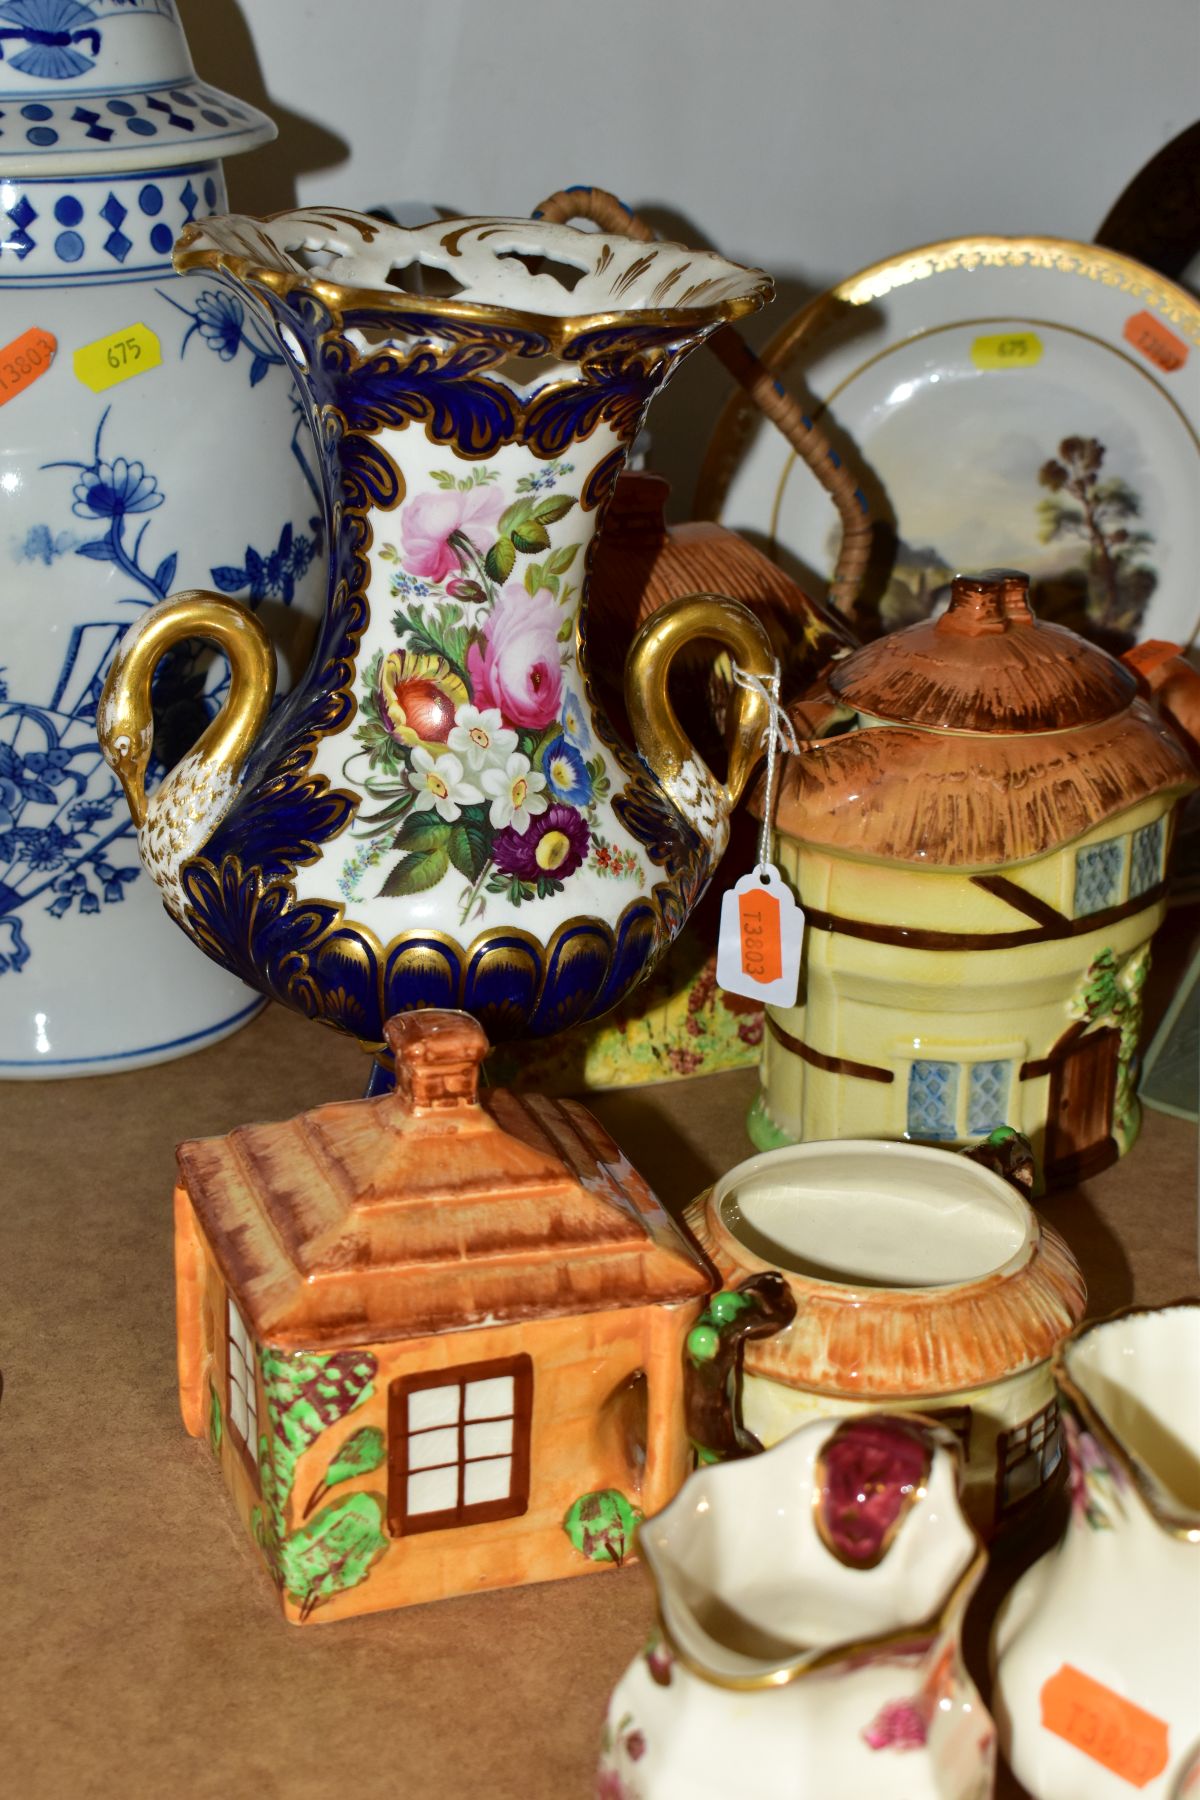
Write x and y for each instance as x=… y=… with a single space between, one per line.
x=150 y=440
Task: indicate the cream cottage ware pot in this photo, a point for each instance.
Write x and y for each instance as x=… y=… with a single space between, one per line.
x=148 y=438
x=440 y=815
x=1097 y=1648
x=810 y=1605
x=920 y=1280
x=978 y=829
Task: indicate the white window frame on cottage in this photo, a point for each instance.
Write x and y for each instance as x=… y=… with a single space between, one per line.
x=963 y=1059
x=241 y=1394
x=1123 y=889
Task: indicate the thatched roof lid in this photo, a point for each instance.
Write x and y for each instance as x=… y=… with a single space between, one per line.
x=874 y=1342
x=428 y=1211
x=985 y=665
x=951 y=784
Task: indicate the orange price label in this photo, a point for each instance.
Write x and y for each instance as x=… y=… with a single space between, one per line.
x=758 y=925
x=1145 y=658
x=1120 y=1736
x=1156 y=343
x=24 y=361
x=761 y=938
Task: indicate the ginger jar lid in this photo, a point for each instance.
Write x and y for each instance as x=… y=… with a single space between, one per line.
x=986 y=665
x=105 y=85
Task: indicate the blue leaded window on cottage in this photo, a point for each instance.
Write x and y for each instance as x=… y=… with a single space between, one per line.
x=1146 y=858
x=1098 y=876
x=933 y=1100
x=987 y=1097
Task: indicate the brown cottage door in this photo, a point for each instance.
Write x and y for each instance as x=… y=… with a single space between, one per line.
x=1083 y=1084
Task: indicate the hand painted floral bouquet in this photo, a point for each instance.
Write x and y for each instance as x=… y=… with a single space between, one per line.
x=477 y=743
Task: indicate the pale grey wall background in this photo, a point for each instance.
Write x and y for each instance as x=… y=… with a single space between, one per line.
x=811 y=136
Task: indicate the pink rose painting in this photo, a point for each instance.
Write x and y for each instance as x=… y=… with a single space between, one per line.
x=432 y=522
x=518 y=668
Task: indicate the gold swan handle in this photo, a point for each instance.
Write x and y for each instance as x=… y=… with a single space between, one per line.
x=656 y=729
x=125 y=722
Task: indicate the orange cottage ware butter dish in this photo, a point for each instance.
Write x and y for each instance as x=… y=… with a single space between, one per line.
x=436 y=1341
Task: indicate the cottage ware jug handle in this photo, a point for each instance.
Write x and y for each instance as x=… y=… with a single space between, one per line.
x=657 y=732
x=125 y=722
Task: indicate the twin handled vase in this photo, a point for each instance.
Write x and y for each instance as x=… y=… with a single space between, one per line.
x=439 y=814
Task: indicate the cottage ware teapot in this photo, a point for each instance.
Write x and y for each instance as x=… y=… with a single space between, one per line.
x=810 y=1604
x=1097 y=1648
x=978 y=830
x=440 y=814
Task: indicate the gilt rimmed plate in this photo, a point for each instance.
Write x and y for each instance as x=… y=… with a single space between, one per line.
x=1021 y=402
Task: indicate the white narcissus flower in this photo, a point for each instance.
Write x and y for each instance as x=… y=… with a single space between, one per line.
x=440 y=782
x=516 y=794
x=481 y=737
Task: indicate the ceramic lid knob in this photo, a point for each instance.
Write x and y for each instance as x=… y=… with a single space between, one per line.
x=977 y=606
x=1015 y=582
x=437 y=1058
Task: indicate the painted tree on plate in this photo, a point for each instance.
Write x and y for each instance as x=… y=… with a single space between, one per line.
x=1103 y=511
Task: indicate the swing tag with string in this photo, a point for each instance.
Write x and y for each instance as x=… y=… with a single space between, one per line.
x=762 y=927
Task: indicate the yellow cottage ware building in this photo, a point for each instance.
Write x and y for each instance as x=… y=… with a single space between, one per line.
x=979 y=839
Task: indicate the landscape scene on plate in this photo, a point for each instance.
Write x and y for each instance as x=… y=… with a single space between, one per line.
x=1092 y=574
x=475 y=751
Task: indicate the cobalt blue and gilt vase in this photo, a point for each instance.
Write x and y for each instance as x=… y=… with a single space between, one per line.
x=439 y=814
x=150 y=438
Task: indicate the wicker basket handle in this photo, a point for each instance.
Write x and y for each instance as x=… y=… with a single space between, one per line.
x=765 y=389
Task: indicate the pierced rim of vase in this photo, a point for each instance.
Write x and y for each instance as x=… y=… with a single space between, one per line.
x=623 y=282
x=1184 y=1525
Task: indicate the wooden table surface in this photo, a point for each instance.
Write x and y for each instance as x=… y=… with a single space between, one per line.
x=143 y=1650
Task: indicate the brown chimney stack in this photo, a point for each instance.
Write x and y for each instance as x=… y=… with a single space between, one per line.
x=437 y=1059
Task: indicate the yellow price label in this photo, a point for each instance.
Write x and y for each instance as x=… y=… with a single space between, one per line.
x=120 y=357
x=1012 y=350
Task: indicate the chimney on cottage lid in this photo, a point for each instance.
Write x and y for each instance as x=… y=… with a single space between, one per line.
x=988 y=604
x=437 y=1054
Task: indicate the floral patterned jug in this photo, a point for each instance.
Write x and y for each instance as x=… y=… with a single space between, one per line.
x=810 y=1605
x=440 y=815
x=1097 y=1648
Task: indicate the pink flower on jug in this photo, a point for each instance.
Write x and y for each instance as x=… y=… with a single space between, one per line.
x=518 y=669
x=1089 y=1471
x=431 y=522
x=516 y=793
x=869 y=1471
x=898 y=1725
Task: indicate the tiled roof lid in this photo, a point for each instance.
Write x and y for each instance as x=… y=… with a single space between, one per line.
x=428 y=1210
